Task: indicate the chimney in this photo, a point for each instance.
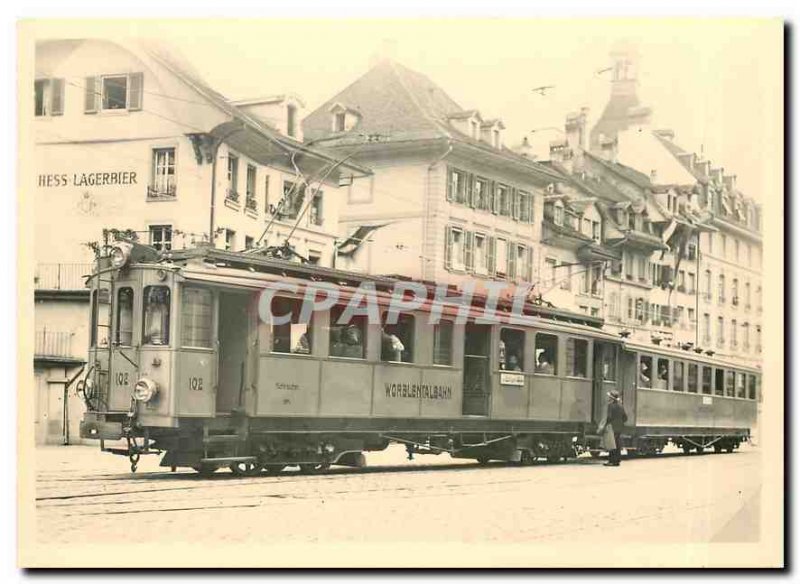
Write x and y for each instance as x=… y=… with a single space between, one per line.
x=608 y=148
x=703 y=167
x=716 y=174
x=730 y=182
x=575 y=130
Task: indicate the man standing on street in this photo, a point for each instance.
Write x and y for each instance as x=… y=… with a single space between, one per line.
x=615 y=419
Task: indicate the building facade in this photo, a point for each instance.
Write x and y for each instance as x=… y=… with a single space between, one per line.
x=447 y=201
x=128 y=137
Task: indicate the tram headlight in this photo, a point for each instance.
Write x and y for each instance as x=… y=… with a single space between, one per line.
x=120 y=254
x=144 y=390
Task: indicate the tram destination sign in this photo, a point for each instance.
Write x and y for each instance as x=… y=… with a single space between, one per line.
x=88 y=179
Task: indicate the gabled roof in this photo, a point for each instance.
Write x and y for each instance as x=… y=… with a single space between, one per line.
x=403 y=106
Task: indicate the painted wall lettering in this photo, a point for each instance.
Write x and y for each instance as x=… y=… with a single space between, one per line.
x=83 y=179
x=422 y=390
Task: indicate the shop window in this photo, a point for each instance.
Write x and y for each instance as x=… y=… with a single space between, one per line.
x=292 y=336
x=348 y=338
x=156 y=315
x=197 y=318
x=125 y=317
x=443 y=343
x=546 y=354
x=691 y=378
x=577 y=357
x=645 y=371
x=512 y=349
x=397 y=340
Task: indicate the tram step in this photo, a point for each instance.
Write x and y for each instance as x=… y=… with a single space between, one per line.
x=228 y=459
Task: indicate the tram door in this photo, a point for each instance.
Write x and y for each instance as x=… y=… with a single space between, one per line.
x=233 y=336
x=477 y=374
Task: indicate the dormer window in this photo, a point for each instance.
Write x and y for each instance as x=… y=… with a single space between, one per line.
x=496 y=138
x=339 y=121
x=474 y=128
x=558 y=214
x=291 y=120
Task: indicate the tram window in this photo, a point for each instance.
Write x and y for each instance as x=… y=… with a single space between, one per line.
x=443 y=343
x=124 y=334
x=677 y=376
x=293 y=336
x=751 y=387
x=740 y=389
x=156 y=316
x=100 y=316
x=197 y=314
x=512 y=348
x=730 y=389
x=546 y=354
x=577 y=357
x=347 y=338
x=608 y=362
x=662 y=374
x=692 y=378
x=707 y=378
x=397 y=340
x=645 y=371
x=719 y=382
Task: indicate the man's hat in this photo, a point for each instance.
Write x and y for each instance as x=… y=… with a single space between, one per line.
x=613 y=395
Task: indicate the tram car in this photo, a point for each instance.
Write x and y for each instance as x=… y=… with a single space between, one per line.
x=187 y=360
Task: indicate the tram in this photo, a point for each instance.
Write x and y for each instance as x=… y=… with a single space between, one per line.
x=189 y=358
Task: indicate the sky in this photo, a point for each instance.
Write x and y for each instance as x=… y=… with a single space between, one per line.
x=716 y=83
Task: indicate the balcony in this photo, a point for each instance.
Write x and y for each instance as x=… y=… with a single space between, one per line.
x=735 y=301
x=250 y=203
x=63 y=277
x=166 y=192
x=54 y=346
x=232 y=196
x=682 y=288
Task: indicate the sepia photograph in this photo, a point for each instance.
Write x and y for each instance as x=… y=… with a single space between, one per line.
x=499 y=292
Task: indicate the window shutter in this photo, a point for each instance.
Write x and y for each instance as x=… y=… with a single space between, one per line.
x=135 y=91
x=469 y=250
x=529 y=265
x=511 y=260
x=91 y=96
x=491 y=242
x=471 y=191
x=448 y=248
x=495 y=198
x=56 y=97
x=450 y=193
x=515 y=196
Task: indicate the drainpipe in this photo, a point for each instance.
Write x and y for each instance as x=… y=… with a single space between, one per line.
x=426 y=209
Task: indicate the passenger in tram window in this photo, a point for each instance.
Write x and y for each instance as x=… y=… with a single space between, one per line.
x=645 y=365
x=513 y=363
x=302 y=347
x=391 y=347
x=543 y=364
x=662 y=380
x=347 y=342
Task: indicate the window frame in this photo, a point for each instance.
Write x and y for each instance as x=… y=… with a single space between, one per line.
x=571 y=365
x=436 y=336
x=503 y=360
x=169 y=323
x=408 y=347
x=212 y=324
x=297 y=305
x=363 y=327
x=555 y=361
x=118 y=314
x=103 y=79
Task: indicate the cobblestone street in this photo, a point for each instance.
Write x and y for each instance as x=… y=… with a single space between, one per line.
x=89 y=497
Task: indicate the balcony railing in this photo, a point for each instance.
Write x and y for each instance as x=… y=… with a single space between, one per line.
x=61 y=276
x=232 y=196
x=53 y=344
x=250 y=203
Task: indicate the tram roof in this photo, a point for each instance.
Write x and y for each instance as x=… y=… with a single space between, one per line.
x=689 y=355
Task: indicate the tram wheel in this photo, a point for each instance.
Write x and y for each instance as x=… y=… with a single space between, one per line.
x=205 y=470
x=309 y=468
x=717 y=448
x=687 y=448
x=699 y=449
x=526 y=458
x=483 y=460
x=273 y=469
x=245 y=469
